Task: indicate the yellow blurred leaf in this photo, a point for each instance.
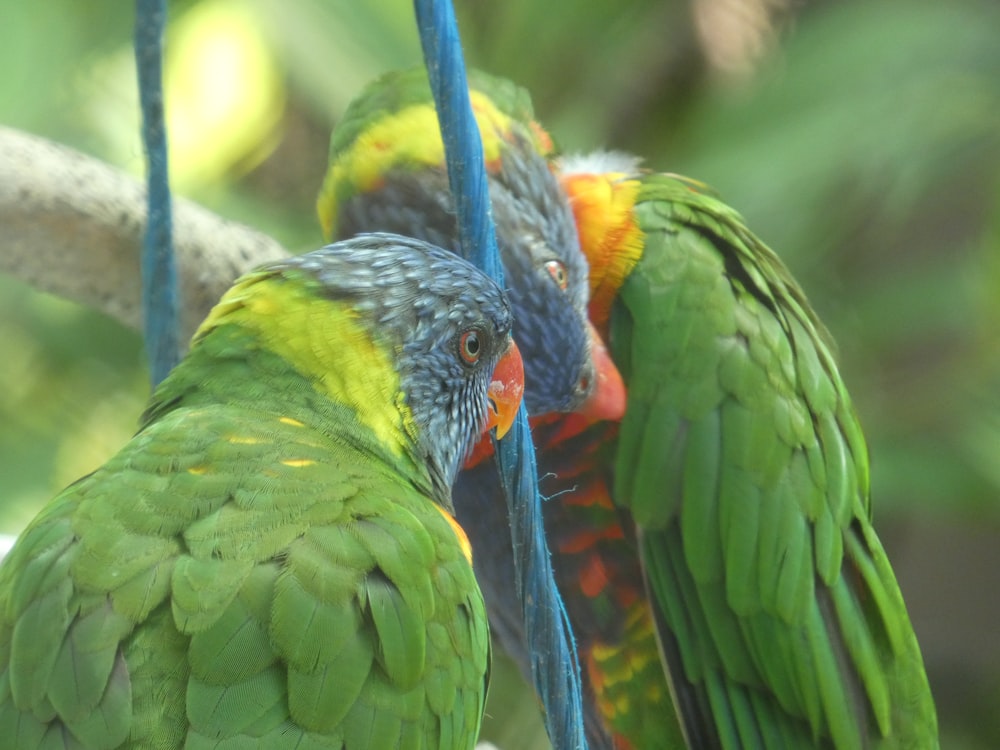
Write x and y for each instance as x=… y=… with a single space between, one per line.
x=224 y=93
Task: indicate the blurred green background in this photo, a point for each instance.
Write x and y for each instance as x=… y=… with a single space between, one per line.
x=861 y=140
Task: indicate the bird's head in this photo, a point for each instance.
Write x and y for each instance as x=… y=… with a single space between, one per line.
x=567 y=368
x=414 y=341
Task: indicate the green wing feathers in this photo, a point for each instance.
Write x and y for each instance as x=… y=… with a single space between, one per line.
x=743 y=464
x=216 y=597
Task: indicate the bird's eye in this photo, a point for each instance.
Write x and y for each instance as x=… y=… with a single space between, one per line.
x=558 y=273
x=470 y=346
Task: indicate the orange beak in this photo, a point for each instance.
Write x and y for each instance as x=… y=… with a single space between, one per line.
x=608 y=398
x=505 y=391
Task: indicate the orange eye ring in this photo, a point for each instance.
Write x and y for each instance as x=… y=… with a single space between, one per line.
x=558 y=273
x=470 y=348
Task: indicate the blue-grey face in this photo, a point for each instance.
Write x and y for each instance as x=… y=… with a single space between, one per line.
x=546 y=278
x=545 y=272
x=447 y=324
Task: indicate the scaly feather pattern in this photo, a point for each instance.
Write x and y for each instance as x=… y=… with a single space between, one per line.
x=270 y=561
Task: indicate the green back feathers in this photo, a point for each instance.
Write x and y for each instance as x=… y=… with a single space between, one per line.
x=222 y=577
x=703 y=277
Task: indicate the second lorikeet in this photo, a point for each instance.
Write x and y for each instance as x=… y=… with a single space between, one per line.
x=272 y=560
x=387 y=173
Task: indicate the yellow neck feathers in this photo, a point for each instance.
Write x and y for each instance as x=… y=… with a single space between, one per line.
x=327 y=343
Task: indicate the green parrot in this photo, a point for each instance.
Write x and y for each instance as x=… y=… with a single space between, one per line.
x=272 y=560
x=744 y=473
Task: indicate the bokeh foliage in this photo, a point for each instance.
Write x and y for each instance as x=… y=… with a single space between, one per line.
x=861 y=140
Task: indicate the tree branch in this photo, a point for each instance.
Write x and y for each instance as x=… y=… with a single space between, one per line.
x=72 y=226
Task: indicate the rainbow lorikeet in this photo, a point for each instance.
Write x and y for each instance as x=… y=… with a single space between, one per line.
x=387 y=173
x=272 y=561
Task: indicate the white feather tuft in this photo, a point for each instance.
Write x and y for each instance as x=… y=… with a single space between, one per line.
x=599 y=162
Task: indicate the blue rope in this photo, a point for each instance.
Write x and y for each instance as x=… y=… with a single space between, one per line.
x=554 y=663
x=463 y=146
x=159 y=271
